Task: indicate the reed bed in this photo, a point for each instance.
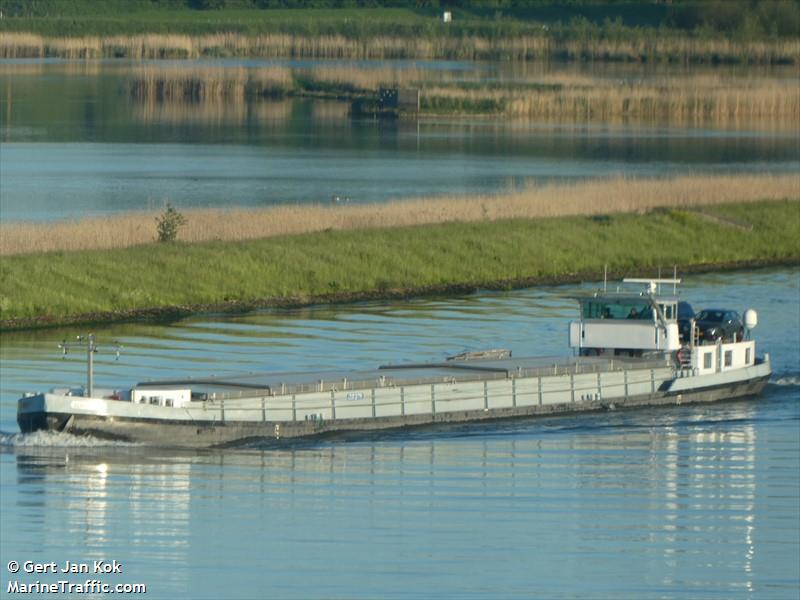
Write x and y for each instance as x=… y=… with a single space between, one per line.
x=370 y=80
x=701 y=99
x=463 y=47
x=200 y=84
x=210 y=84
x=682 y=50
x=597 y=197
x=706 y=99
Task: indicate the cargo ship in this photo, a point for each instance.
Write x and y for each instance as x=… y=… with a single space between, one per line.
x=631 y=347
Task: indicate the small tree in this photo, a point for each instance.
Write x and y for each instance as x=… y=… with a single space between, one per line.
x=168 y=223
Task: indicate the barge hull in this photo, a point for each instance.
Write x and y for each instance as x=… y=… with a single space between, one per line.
x=197 y=434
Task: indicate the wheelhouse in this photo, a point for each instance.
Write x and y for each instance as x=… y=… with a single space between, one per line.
x=627 y=323
x=635 y=307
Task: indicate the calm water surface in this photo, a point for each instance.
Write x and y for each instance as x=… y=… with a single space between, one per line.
x=75 y=144
x=682 y=502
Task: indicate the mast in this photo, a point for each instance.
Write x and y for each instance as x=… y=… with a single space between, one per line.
x=87 y=341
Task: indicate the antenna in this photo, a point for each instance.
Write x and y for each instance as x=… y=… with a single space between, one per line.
x=88 y=342
x=605 y=277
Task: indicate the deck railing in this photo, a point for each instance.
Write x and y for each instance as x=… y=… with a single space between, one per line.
x=420 y=403
x=576 y=367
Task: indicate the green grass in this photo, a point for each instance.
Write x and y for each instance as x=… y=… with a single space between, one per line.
x=468 y=39
x=455 y=105
x=62 y=286
x=350 y=22
x=589 y=22
x=487 y=18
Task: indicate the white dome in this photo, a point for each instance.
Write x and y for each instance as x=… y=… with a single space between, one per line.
x=750 y=318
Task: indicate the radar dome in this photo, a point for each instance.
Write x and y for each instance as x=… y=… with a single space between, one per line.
x=750 y=318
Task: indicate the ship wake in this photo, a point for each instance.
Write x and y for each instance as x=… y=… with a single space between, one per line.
x=55 y=439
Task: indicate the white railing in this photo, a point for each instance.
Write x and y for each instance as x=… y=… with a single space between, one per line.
x=427 y=401
x=346 y=385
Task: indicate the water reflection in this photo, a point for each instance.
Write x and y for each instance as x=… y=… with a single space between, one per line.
x=669 y=497
x=95 y=503
x=208 y=113
x=210 y=143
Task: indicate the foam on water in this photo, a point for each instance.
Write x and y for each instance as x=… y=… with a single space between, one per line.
x=55 y=439
x=787 y=380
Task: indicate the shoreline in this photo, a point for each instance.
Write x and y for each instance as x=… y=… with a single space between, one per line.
x=169 y=313
x=696 y=194
x=177 y=279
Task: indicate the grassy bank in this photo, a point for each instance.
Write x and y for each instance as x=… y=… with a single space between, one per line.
x=340 y=265
x=733 y=31
x=595 y=197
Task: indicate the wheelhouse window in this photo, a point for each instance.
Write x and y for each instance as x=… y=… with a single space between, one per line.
x=707 y=360
x=622 y=309
x=669 y=311
x=728 y=358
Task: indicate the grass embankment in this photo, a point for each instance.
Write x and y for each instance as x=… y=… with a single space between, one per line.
x=595 y=197
x=731 y=31
x=716 y=100
x=174 y=279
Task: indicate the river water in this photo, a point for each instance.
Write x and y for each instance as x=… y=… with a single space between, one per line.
x=75 y=144
x=679 y=502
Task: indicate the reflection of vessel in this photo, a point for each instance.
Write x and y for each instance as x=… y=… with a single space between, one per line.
x=627 y=352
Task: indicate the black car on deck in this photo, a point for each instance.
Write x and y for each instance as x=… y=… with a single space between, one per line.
x=719 y=324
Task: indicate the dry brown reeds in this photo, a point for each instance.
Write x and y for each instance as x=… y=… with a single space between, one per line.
x=371 y=79
x=208 y=84
x=695 y=99
x=30 y=45
x=207 y=95
x=683 y=49
x=215 y=94
x=200 y=84
x=525 y=47
x=587 y=198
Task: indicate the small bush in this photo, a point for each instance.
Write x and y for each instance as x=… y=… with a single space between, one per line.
x=168 y=224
